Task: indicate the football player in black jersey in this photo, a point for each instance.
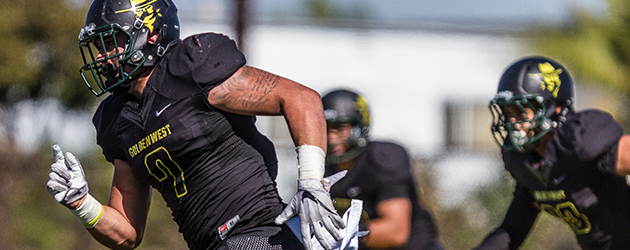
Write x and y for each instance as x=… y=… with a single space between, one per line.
x=379 y=174
x=181 y=120
x=569 y=164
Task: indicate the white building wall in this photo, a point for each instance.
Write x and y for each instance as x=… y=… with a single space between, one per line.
x=406 y=75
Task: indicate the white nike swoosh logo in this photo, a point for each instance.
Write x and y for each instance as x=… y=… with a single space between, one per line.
x=559 y=179
x=158 y=113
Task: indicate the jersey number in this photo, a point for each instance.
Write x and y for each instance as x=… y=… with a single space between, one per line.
x=569 y=213
x=161 y=166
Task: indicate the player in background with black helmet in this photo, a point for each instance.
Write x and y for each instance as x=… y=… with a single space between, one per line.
x=569 y=164
x=181 y=120
x=379 y=174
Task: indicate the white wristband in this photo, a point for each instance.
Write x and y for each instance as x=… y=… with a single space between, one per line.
x=311 y=161
x=89 y=212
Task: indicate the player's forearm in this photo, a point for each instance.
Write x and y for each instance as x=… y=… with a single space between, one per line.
x=392 y=228
x=304 y=114
x=307 y=124
x=105 y=224
x=623 y=156
x=384 y=234
x=114 y=231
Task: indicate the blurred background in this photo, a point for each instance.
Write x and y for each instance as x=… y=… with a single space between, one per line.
x=428 y=69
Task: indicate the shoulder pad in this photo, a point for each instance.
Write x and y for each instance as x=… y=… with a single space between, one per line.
x=390 y=158
x=197 y=64
x=587 y=135
x=104 y=120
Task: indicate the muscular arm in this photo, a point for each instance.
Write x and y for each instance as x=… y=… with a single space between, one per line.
x=623 y=156
x=251 y=91
x=393 y=227
x=123 y=221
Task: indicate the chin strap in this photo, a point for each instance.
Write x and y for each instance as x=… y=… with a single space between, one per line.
x=123 y=87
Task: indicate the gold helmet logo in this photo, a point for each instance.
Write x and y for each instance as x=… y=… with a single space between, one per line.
x=139 y=7
x=550 y=78
x=362 y=105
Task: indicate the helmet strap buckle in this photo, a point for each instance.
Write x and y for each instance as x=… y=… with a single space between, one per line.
x=137 y=56
x=138 y=24
x=161 y=50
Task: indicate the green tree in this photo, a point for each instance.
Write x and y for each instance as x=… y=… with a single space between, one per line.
x=39 y=57
x=39 y=54
x=596 y=49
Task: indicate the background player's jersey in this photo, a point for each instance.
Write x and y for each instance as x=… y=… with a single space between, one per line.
x=209 y=165
x=575 y=182
x=381 y=172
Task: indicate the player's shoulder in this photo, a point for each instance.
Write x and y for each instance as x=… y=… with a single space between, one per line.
x=591 y=116
x=206 y=39
x=588 y=134
x=385 y=163
x=387 y=154
x=198 y=63
x=205 y=53
x=107 y=111
x=105 y=121
x=589 y=122
x=385 y=146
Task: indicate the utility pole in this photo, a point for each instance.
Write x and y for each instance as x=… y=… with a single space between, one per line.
x=241 y=23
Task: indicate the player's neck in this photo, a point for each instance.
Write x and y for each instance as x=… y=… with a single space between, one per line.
x=345 y=165
x=137 y=86
x=542 y=145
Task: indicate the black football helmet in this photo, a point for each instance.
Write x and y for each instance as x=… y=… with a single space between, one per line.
x=537 y=83
x=134 y=20
x=345 y=106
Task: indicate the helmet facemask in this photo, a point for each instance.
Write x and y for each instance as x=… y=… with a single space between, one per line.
x=507 y=133
x=354 y=142
x=105 y=76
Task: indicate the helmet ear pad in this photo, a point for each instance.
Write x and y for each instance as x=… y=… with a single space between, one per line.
x=358 y=137
x=153 y=37
x=138 y=43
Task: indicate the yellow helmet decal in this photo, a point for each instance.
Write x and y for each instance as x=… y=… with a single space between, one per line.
x=550 y=78
x=144 y=6
x=362 y=105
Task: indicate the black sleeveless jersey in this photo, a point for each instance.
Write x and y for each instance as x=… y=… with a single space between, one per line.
x=576 y=182
x=381 y=172
x=211 y=167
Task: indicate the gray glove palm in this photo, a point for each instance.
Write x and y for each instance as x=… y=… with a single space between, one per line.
x=66 y=182
x=313 y=205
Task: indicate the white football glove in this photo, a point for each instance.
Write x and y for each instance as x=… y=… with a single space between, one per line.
x=314 y=206
x=66 y=182
x=351 y=233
